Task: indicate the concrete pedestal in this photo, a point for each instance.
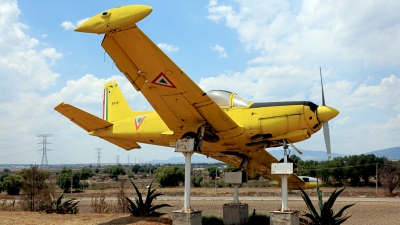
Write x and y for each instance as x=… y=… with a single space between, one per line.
x=186 y=218
x=284 y=218
x=235 y=214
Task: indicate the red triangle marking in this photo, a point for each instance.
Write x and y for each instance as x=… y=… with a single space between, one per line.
x=163 y=80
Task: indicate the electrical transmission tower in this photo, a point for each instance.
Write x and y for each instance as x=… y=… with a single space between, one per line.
x=44 y=150
x=117 y=159
x=98 y=156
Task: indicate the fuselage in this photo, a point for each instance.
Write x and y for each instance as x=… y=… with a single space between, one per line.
x=264 y=124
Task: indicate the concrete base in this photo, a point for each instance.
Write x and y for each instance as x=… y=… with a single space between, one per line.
x=236 y=214
x=284 y=218
x=186 y=218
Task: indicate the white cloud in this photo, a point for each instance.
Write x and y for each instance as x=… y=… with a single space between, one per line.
x=220 y=50
x=315 y=31
x=167 y=48
x=52 y=54
x=68 y=25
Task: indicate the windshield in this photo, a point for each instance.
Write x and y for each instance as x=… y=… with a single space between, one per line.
x=224 y=99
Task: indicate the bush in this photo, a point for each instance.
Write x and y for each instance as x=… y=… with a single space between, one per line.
x=170 y=175
x=86 y=173
x=114 y=171
x=212 y=220
x=83 y=185
x=258 y=219
x=64 y=179
x=12 y=184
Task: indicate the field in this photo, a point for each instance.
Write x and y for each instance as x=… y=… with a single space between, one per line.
x=362 y=213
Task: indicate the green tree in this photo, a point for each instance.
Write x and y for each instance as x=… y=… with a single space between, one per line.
x=12 y=184
x=64 y=179
x=170 y=175
x=34 y=184
x=389 y=175
x=6 y=170
x=308 y=168
x=114 y=171
x=212 y=170
x=229 y=168
x=86 y=173
x=136 y=168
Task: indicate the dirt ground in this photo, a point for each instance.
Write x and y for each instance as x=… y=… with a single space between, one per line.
x=362 y=212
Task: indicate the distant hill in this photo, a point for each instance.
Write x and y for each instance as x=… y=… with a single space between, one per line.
x=390 y=153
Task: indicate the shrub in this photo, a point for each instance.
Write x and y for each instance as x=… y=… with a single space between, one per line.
x=69 y=206
x=12 y=184
x=170 y=175
x=144 y=208
x=326 y=215
x=258 y=219
x=64 y=179
x=212 y=220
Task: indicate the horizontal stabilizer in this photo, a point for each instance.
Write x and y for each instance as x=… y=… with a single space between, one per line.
x=81 y=118
x=123 y=143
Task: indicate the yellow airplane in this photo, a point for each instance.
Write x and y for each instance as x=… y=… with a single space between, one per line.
x=309 y=183
x=226 y=126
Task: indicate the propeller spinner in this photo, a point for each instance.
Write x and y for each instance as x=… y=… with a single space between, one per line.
x=326 y=113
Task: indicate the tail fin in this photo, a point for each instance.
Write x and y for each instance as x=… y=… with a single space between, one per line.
x=115 y=106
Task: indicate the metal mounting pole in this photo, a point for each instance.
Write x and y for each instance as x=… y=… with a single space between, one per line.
x=236 y=193
x=188 y=162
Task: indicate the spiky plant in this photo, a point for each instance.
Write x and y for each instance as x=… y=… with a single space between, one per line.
x=325 y=216
x=144 y=208
x=69 y=206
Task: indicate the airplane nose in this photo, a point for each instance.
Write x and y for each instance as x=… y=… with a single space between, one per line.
x=326 y=113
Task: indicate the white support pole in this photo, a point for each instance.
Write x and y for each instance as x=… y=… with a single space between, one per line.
x=236 y=193
x=285 y=206
x=188 y=162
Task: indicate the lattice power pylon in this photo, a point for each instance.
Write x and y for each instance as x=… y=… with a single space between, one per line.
x=98 y=156
x=44 y=150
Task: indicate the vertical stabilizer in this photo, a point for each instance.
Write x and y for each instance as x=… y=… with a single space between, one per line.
x=115 y=106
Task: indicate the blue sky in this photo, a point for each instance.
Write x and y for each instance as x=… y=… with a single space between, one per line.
x=263 y=50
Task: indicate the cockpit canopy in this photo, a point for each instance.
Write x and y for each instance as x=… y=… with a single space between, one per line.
x=228 y=99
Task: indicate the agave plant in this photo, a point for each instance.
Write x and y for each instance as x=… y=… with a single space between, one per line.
x=325 y=216
x=144 y=208
x=69 y=206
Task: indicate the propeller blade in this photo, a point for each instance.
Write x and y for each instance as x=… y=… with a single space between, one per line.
x=327 y=138
x=322 y=86
x=294 y=147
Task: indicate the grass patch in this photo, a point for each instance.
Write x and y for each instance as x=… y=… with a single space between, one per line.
x=258 y=219
x=212 y=220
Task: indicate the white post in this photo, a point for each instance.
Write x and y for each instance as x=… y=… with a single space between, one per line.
x=188 y=162
x=285 y=206
x=235 y=194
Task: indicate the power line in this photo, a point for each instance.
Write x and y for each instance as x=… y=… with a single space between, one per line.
x=17 y=145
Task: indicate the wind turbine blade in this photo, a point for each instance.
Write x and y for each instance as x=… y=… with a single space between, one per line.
x=322 y=86
x=327 y=138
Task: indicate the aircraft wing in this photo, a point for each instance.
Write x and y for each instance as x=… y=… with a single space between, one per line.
x=179 y=101
x=81 y=118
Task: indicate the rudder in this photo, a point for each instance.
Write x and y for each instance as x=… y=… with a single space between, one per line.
x=115 y=106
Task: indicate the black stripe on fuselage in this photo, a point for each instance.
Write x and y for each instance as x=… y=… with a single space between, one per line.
x=312 y=106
